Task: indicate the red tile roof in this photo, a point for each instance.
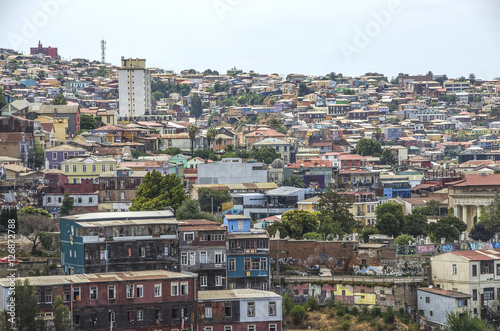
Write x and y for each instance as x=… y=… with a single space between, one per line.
x=311 y=163
x=351 y=157
x=479 y=255
x=478 y=180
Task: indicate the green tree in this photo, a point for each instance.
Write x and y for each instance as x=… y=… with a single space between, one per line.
x=490 y=216
x=368 y=147
x=60 y=100
x=366 y=234
x=207 y=195
x=26 y=305
x=313 y=236
x=46 y=240
x=390 y=218
x=158 y=192
x=416 y=225
x=449 y=227
x=211 y=134
x=2 y=99
x=190 y=210
x=32 y=222
x=157 y=95
x=465 y=321
x=41 y=75
x=62 y=319
x=403 y=240
x=431 y=208
x=68 y=204
x=196 y=106
x=192 y=131
x=387 y=157
x=295 y=223
x=481 y=232
x=303 y=90
x=88 y=122
x=294 y=181
x=377 y=133
x=38 y=156
x=264 y=154
x=335 y=214
x=472 y=78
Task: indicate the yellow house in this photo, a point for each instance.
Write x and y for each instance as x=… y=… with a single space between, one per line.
x=86 y=167
x=60 y=126
x=310 y=204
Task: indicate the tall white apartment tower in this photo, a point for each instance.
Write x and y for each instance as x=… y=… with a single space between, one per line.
x=134 y=82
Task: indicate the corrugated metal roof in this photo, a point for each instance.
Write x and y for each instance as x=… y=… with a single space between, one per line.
x=236 y=294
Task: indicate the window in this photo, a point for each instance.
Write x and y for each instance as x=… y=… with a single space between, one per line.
x=184 y=258
x=94 y=168
x=208 y=311
x=84 y=168
x=263 y=287
x=203 y=257
x=251 y=309
x=48 y=296
x=247 y=263
x=208 y=328
x=218 y=280
x=74 y=168
x=140 y=315
x=240 y=225
x=93 y=293
x=76 y=318
x=498 y=269
x=272 y=308
x=158 y=314
x=142 y=251
x=66 y=296
x=486 y=267
x=111 y=292
x=489 y=293
x=188 y=236
x=54 y=156
x=251 y=327
x=228 y=328
x=110 y=167
x=130 y=291
x=76 y=294
x=140 y=291
x=184 y=288
x=263 y=263
x=454 y=269
x=66 y=168
x=427 y=300
x=219 y=258
x=474 y=295
x=175 y=312
x=203 y=281
x=273 y=327
x=474 y=270
x=90 y=200
x=130 y=315
x=227 y=309
x=174 y=289
x=192 y=258
x=231 y=264
x=462 y=303
x=157 y=290
x=103 y=168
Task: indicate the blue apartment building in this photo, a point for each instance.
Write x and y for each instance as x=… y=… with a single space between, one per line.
x=247 y=254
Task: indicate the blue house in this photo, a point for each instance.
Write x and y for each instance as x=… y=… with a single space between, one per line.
x=237 y=223
x=247 y=254
x=396 y=186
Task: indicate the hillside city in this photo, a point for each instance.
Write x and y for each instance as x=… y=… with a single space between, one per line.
x=138 y=198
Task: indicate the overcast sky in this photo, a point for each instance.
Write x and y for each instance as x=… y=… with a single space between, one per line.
x=453 y=37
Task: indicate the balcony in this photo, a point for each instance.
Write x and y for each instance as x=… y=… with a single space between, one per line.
x=212 y=265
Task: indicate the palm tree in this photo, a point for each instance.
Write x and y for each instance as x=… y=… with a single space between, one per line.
x=211 y=134
x=377 y=133
x=219 y=141
x=192 y=130
x=294 y=181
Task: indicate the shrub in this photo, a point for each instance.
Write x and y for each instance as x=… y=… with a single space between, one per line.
x=312 y=303
x=354 y=311
x=389 y=315
x=376 y=312
x=298 y=314
x=346 y=325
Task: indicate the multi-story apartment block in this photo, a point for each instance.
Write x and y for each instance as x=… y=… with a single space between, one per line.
x=113 y=242
x=203 y=251
x=89 y=167
x=140 y=300
x=242 y=309
x=475 y=273
x=134 y=82
x=117 y=188
x=247 y=254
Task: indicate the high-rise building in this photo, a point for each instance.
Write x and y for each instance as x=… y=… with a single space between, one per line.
x=134 y=88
